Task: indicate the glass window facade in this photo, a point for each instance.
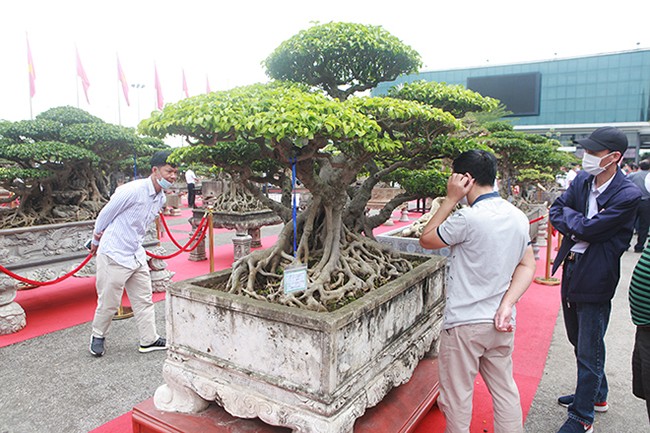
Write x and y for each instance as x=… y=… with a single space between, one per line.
x=599 y=89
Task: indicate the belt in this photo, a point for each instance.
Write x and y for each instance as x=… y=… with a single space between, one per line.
x=572 y=256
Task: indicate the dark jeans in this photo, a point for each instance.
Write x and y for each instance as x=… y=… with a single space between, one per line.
x=191 y=195
x=643 y=215
x=641 y=366
x=586 y=324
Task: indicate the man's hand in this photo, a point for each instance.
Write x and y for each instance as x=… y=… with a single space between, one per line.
x=503 y=318
x=95 y=243
x=458 y=186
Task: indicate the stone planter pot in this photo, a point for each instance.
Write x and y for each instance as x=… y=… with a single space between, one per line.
x=309 y=371
x=409 y=245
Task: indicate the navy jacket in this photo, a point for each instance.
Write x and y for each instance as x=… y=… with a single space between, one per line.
x=609 y=232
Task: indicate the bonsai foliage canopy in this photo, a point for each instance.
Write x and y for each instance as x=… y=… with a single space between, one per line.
x=257 y=133
x=342 y=58
x=59 y=165
x=526 y=159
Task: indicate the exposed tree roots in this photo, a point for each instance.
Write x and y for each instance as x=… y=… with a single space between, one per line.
x=337 y=274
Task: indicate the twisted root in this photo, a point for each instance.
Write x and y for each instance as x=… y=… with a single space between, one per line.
x=359 y=266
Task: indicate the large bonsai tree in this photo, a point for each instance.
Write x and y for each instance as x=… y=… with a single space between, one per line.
x=257 y=133
x=58 y=166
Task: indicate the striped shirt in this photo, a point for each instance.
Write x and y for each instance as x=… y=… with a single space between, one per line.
x=124 y=221
x=639 y=294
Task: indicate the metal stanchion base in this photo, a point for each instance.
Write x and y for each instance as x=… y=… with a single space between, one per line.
x=547 y=281
x=123 y=313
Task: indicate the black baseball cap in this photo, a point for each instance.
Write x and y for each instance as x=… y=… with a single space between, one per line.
x=605 y=138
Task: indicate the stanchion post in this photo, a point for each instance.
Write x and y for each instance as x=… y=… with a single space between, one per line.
x=211 y=239
x=158 y=229
x=123 y=313
x=548 y=281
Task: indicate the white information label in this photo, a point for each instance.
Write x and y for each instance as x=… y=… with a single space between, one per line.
x=295 y=279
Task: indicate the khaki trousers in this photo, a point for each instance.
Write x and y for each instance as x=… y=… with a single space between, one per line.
x=112 y=279
x=465 y=351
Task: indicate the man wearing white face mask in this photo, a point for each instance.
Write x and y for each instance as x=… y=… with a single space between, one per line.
x=596 y=216
x=121 y=259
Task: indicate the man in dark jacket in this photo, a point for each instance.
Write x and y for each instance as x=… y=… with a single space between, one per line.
x=596 y=216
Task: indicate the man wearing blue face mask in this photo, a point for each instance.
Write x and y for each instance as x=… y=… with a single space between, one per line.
x=596 y=216
x=121 y=259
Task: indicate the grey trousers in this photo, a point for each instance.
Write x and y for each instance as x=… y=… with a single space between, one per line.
x=112 y=279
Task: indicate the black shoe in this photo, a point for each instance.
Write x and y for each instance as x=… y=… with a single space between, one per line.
x=566 y=400
x=97 y=346
x=159 y=344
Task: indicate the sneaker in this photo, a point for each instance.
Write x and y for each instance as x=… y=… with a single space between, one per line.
x=566 y=400
x=159 y=344
x=97 y=346
x=574 y=426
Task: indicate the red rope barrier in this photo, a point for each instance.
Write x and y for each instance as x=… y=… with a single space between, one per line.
x=537 y=219
x=46 y=283
x=184 y=249
x=169 y=233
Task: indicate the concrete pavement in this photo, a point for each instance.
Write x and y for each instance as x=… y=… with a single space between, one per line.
x=627 y=414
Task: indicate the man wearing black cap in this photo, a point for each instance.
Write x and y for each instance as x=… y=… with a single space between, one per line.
x=596 y=216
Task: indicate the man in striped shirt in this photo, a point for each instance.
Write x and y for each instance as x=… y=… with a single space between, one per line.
x=639 y=296
x=121 y=259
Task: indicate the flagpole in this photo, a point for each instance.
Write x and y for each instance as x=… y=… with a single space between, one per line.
x=32 y=76
x=119 y=106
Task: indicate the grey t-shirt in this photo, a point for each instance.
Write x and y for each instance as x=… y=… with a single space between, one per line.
x=488 y=241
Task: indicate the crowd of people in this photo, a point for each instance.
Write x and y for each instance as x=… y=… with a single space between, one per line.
x=597 y=214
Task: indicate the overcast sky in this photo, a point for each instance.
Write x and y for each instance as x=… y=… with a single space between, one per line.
x=226 y=41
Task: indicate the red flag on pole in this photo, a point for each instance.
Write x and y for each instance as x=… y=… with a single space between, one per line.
x=81 y=73
x=187 y=94
x=122 y=78
x=31 y=71
x=159 y=95
x=207 y=85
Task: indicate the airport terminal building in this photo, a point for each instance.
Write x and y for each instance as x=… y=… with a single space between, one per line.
x=567 y=98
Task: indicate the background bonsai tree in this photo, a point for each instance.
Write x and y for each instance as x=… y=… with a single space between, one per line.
x=526 y=160
x=59 y=165
x=258 y=133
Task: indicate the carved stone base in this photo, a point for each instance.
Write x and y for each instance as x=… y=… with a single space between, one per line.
x=242 y=245
x=12 y=318
x=400 y=412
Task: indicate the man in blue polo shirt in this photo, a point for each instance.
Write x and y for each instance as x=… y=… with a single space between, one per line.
x=491 y=266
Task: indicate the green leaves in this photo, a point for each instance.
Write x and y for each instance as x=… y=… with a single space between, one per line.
x=342 y=58
x=455 y=99
x=46 y=152
x=272 y=112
